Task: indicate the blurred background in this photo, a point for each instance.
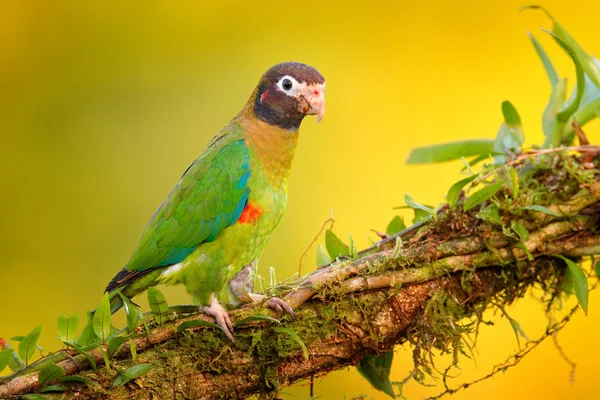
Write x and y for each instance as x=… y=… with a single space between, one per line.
x=104 y=104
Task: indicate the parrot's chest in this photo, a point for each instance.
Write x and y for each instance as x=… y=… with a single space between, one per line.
x=263 y=213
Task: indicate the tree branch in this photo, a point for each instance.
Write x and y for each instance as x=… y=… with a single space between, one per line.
x=419 y=287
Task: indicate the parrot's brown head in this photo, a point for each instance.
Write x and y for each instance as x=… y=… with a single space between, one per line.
x=287 y=92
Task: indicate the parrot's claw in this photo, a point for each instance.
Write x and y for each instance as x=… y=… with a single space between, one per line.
x=274 y=303
x=279 y=305
x=218 y=312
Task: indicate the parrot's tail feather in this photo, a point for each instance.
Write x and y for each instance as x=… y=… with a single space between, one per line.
x=121 y=279
x=130 y=283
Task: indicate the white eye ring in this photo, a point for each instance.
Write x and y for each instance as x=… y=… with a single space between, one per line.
x=287 y=84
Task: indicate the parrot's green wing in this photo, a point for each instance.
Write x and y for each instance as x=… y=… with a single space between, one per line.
x=210 y=196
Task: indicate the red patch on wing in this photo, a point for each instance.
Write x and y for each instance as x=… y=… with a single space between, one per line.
x=251 y=213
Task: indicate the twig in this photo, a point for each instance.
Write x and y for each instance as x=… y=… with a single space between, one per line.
x=329 y=221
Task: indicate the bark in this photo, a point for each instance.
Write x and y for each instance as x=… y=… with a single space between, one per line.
x=418 y=287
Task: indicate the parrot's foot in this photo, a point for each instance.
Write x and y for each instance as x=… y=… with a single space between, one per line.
x=279 y=305
x=218 y=312
x=274 y=303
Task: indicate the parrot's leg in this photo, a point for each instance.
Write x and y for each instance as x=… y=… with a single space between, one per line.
x=220 y=315
x=242 y=287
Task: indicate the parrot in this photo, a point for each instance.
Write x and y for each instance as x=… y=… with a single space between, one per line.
x=209 y=233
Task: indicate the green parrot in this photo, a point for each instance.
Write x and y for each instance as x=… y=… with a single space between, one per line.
x=211 y=230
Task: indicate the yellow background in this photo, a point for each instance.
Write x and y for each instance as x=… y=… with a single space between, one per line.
x=102 y=106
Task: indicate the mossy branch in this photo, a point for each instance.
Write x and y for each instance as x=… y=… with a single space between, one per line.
x=419 y=288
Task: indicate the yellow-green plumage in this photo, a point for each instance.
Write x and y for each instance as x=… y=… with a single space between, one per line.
x=212 y=264
x=222 y=213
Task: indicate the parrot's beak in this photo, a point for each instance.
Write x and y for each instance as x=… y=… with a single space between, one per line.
x=313 y=100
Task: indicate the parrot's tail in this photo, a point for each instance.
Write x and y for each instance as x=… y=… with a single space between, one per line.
x=121 y=279
x=129 y=284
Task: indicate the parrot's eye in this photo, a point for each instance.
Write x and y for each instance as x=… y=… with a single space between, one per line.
x=287 y=84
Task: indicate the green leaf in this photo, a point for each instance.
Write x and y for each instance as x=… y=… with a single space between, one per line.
x=27 y=346
x=5 y=357
x=81 y=351
x=416 y=206
x=596 y=270
x=523 y=234
x=513 y=181
x=19 y=338
x=131 y=373
x=296 y=338
x=133 y=349
x=507 y=138
x=478 y=159
x=136 y=315
x=551 y=127
x=482 y=195
x=33 y=397
x=352 y=247
x=580 y=283
x=510 y=136
x=450 y=151
x=133 y=317
x=520 y=230
x=133 y=313
x=588 y=82
x=115 y=343
x=272 y=277
x=396 y=225
x=548 y=66
x=420 y=215
x=76 y=378
x=491 y=214
x=158 y=305
x=53 y=388
x=511 y=116
x=14 y=363
x=323 y=258
x=521 y=245
x=564 y=114
x=335 y=247
x=101 y=319
x=588 y=109
x=67 y=327
x=105 y=358
x=87 y=335
x=188 y=308
x=376 y=370
x=49 y=373
x=586 y=61
x=257 y=317
x=456 y=189
x=542 y=209
x=194 y=323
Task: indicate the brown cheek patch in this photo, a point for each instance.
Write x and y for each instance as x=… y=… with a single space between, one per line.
x=303 y=106
x=251 y=213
